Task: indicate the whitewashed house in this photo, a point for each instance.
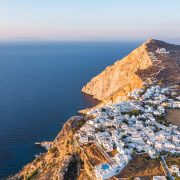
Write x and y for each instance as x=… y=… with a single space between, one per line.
x=162 y=51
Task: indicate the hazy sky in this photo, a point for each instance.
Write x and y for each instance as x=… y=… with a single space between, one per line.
x=89 y=19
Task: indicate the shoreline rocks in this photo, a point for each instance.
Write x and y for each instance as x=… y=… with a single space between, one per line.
x=45 y=144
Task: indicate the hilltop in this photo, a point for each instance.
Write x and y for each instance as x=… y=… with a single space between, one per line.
x=142 y=65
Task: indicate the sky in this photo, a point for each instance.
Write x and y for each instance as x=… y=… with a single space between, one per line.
x=89 y=20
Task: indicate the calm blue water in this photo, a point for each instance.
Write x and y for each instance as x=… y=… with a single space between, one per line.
x=40 y=87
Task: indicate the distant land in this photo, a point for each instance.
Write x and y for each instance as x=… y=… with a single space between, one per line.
x=131 y=133
x=38 y=39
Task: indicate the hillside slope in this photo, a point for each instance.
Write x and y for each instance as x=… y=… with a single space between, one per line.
x=141 y=65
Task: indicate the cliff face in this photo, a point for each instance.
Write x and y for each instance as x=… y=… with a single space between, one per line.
x=141 y=65
x=119 y=77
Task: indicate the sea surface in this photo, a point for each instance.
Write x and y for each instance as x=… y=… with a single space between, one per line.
x=40 y=88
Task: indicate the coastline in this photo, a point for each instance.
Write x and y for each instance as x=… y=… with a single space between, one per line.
x=132 y=124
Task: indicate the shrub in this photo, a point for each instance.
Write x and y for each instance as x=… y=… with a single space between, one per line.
x=32 y=174
x=147 y=158
x=140 y=93
x=53 y=150
x=80 y=124
x=111 y=117
x=177 y=178
x=161 y=119
x=124 y=137
x=135 y=112
x=123 y=113
x=103 y=110
x=125 y=121
x=145 y=88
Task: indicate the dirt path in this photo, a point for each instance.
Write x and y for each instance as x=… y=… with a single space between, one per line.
x=156 y=64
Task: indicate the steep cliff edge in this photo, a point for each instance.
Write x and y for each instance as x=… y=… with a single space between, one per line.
x=121 y=76
x=141 y=65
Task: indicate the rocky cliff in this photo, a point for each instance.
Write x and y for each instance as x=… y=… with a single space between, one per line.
x=121 y=76
x=143 y=65
x=64 y=160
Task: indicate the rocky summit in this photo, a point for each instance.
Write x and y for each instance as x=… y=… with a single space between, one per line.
x=132 y=133
x=152 y=61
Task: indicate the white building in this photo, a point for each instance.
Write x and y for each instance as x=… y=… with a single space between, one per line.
x=152 y=153
x=162 y=51
x=174 y=169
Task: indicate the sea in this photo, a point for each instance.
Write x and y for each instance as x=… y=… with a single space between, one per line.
x=40 y=89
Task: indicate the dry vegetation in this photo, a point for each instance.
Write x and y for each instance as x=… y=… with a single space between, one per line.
x=173 y=116
x=142 y=166
x=94 y=155
x=170 y=160
x=113 y=153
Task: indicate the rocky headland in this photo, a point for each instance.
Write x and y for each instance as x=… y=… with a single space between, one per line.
x=143 y=65
x=149 y=74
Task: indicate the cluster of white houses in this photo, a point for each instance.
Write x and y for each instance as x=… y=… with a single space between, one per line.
x=132 y=127
x=162 y=51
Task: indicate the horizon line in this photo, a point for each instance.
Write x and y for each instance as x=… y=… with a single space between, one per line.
x=39 y=40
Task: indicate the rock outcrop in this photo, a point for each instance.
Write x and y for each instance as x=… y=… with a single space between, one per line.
x=143 y=65
x=44 y=144
x=121 y=76
x=61 y=161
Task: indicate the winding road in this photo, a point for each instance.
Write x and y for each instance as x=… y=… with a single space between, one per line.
x=156 y=65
